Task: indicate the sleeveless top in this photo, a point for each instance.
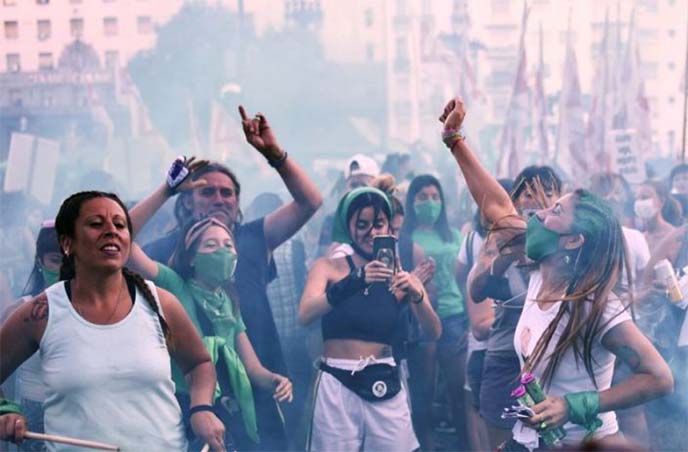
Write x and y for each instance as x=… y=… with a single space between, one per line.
x=373 y=317
x=109 y=383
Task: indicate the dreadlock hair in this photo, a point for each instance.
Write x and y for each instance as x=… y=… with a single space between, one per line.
x=441 y=226
x=545 y=174
x=182 y=213
x=596 y=267
x=183 y=255
x=65 y=225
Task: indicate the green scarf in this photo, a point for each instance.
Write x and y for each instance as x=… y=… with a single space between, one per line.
x=218 y=308
x=340 y=229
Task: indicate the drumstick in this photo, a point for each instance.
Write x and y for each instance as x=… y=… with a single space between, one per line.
x=70 y=441
x=206 y=448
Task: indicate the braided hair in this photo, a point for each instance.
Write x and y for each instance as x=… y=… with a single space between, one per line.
x=65 y=224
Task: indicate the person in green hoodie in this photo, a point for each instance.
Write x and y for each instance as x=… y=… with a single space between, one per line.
x=200 y=274
x=426 y=224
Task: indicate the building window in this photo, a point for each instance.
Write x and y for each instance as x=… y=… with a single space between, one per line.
x=112 y=59
x=369 y=17
x=13 y=64
x=144 y=24
x=9 y=2
x=110 y=26
x=75 y=1
x=370 y=52
x=45 y=61
x=11 y=29
x=42 y=2
x=44 y=30
x=76 y=27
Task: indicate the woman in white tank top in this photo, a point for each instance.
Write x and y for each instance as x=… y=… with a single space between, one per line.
x=105 y=337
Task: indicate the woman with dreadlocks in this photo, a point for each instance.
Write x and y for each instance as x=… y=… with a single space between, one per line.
x=573 y=326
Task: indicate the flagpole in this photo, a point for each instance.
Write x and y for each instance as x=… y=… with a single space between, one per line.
x=685 y=100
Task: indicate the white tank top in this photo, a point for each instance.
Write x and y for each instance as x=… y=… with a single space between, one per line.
x=109 y=383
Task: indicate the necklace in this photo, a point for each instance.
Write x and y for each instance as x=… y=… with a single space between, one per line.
x=119 y=299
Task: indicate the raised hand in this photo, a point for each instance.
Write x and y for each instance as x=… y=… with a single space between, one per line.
x=453 y=115
x=425 y=270
x=259 y=135
x=179 y=175
x=409 y=284
x=376 y=271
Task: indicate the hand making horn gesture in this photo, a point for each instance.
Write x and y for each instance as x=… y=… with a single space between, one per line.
x=259 y=135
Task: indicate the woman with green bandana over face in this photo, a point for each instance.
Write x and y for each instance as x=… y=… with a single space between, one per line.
x=426 y=223
x=29 y=383
x=573 y=326
x=200 y=274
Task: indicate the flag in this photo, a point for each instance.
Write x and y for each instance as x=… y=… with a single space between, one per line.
x=512 y=140
x=570 y=150
x=599 y=118
x=128 y=94
x=540 y=109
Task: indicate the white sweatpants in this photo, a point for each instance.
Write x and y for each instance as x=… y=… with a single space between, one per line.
x=342 y=421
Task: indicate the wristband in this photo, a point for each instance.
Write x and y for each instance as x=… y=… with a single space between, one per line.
x=451 y=136
x=177 y=173
x=7 y=407
x=583 y=408
x=198 y=408
x=345 y=288
x=420 y=300
x=277 y=164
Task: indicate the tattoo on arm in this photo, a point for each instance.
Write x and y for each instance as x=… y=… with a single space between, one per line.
x=39 y=309
x=629 y=356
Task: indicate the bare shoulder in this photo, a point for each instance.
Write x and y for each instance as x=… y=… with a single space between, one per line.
x=168 y=301
x=330 y=268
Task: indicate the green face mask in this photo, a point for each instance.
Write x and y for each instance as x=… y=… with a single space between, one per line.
x=540 y=241
x=427 y=212
x=50 y=277
x=215 y=268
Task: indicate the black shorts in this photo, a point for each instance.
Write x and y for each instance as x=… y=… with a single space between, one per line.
x=474 y=374
x=501 y=372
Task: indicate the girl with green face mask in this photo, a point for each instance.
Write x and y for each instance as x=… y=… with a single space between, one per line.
x=201 y=276
x=427 y=226
x=572 y=326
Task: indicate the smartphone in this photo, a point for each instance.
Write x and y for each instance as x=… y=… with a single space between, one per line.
x=384 y=250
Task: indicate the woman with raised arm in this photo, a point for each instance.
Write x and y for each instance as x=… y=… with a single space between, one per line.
x=200 y=274
x=105 y=337
x=359 y=401
x=572 y=326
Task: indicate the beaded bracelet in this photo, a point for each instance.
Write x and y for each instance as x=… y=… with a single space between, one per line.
x=451 y=136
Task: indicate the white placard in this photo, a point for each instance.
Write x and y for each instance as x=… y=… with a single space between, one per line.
x=31 y=166
x=625 y=156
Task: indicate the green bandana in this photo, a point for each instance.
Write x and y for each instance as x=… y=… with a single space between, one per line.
x=540 y=241
x=215 y=268
x=427 y=212
x=340 y=230
x=583 y=407
x=7 y=406
x=50 y=277
x=217 y=306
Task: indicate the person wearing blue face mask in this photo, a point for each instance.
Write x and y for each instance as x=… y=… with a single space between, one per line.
x=573 y=326
x=200 y=274
x=29 y=383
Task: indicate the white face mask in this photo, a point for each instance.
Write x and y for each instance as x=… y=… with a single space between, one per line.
x=645 y=209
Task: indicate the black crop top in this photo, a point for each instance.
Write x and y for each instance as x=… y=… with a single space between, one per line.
x=373 y=317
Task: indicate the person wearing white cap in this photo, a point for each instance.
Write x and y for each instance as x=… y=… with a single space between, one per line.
x=360 y=171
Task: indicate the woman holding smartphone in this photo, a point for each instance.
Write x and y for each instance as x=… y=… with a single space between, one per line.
x=359 y=402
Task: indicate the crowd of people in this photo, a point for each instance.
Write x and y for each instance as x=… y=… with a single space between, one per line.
x=398 y=321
